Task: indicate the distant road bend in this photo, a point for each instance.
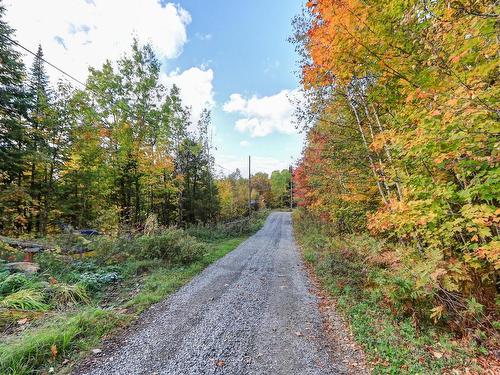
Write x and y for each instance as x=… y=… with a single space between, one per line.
x=249 y=313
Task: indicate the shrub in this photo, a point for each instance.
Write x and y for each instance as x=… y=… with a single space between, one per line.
x=385 y=310
x=207 y=233
x=95 y=281
x=236 y=228
x=173 y=246
x=110 y=250
x=13 y=283
x=56 y=265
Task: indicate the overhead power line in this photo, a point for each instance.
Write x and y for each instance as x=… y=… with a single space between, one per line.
x=45 y=61
x=62 y=71
x=220 y=166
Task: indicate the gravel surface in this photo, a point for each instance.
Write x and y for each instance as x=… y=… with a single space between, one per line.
x=252 y=312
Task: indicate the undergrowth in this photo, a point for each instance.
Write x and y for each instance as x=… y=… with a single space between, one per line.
x=394 y=327
x=51 y=319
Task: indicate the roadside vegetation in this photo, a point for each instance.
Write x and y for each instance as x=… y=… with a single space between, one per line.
x=52 y=318
x=112 y=154
x=387 y=317
x=399 y=174
x=110 y=200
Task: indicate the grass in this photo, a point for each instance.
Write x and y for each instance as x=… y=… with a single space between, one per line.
x=89 y=299
x=394 y=342
x=46 y=345
x=25 y=299
x=164 y=281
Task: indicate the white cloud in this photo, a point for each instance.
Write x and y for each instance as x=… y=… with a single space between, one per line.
x=265 y=115
x=77 y=34
x=244 y=143
x=81 y=33
x=196 y=87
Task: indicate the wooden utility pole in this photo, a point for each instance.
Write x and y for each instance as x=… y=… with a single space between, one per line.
x=210 y=175
x=249 y=188
x=291 y=188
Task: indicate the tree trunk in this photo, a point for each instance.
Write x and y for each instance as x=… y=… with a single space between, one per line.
x=365 y=143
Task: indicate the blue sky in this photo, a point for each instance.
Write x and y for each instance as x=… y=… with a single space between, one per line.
x=232 y=56
x=248 y=50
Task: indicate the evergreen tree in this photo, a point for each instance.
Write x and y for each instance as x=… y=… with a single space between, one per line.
x=13 y=109
x=13 y=102
x=38 y=134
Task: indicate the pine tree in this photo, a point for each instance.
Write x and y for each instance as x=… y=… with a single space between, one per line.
x=13 y=109
x=39 y=132
x=13 y=101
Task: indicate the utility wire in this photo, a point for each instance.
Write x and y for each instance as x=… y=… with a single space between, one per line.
x=220 y=166
x=71 y=77
x=45 y=61
x=63 y=72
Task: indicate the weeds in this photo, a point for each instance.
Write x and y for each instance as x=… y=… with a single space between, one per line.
x=64 y=295
x=25 y=299
x=95 y=281
x=35 y=349
x=172 y=246
x=386 y=317
x=13 y=283
x=59 y=297
x=237 y=228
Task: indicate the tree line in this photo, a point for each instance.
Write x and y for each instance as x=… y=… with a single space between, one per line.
x=402 y=138
x=266 y=192
x=108 y=155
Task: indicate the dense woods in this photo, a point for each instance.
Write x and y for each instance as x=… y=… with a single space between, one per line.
x=112 y=154
x=403 y=101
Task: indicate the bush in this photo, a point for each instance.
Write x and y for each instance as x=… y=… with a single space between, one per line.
x=207 y=233
x=385 y=310
x=56 y=265
x=13 y=283
x=95 y=281
x=112 y=250
x=172 y=245
x=236 y=228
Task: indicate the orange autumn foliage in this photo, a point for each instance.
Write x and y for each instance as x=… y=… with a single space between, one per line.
x=403 y=98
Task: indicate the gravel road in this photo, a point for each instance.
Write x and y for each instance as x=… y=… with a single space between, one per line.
x=252 y=312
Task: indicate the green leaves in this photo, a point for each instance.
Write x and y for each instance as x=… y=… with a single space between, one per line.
x=406 y=134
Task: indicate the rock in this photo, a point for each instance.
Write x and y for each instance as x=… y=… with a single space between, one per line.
x=26 y=267
x=96 y=351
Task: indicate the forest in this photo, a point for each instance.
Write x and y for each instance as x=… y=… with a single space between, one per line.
x=112 y=153
x=110 y=200
x=400 y=178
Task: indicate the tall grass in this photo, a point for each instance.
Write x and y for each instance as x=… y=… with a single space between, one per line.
x=35 y=349
x=25 y=299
